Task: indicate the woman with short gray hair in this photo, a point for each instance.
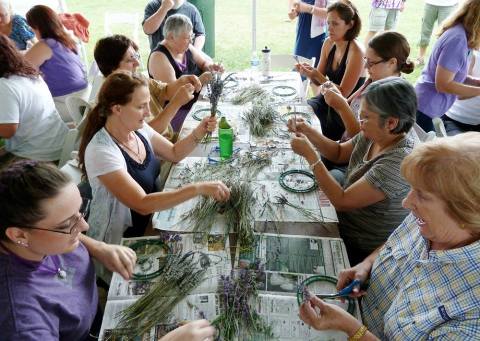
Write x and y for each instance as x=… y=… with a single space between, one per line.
x=176 y=56
x=369 y=204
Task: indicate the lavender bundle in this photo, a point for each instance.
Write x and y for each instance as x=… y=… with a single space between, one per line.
x=237 y=211
x=238 y=318
x=181 y=274
x=215 y=89
x=260 y=117
x=248 y=94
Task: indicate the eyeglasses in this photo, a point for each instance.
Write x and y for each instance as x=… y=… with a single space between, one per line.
x=369 y=63
x=135 y=57
x=72 y=229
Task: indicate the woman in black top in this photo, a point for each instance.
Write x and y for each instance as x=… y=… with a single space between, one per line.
x=341 y=63
x=176 y=56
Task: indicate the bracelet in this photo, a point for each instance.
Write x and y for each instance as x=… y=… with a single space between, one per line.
x=312 y=9
x=312 y=166
x=358 y=334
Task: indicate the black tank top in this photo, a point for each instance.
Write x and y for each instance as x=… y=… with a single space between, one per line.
x=337 y=75
x=191 y=67
x=145 y=175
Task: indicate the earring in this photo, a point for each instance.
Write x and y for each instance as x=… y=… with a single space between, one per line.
x=22 y=243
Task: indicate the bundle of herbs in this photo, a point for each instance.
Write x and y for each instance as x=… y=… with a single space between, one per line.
x=248 y=94
x=181 y=274
x=215 y=89
x=260 y=117
x=238 y=319
x=237 y=212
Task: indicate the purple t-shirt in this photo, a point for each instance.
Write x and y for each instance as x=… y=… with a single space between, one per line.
x=38 y=305
x=450 y=52
x=64 y=72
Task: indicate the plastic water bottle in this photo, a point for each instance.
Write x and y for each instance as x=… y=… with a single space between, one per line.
x=266 y=62
x=225 y=139
x=254 y=64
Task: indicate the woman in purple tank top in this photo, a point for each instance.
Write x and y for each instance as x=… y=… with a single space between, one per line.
x=56 y=56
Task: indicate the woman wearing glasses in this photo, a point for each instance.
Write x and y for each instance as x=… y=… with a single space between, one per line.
x=386 y=56
x=369 y=203
x=118 y=52
x=176 y=56
x=48 y=290
x=56 y=56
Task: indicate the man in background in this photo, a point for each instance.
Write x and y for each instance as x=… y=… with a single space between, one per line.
x=156 y=13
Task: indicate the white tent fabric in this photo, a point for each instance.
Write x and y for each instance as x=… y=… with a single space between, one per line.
x=22 y=7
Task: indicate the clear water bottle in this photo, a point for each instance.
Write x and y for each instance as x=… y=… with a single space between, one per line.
x=254 y=64
x=266 y=62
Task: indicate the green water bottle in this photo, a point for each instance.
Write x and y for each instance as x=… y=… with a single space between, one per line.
x=225 y=139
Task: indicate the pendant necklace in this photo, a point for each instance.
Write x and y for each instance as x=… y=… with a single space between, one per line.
x=136 y=154
x=56 y=270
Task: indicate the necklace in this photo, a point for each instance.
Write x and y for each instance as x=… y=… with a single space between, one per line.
x=136 y=154
x=56 y=270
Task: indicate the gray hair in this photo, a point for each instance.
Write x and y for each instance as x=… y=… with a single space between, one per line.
x=393 y=97
x=176 y=25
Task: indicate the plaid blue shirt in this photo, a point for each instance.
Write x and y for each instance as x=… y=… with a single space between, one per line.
x=416 y=294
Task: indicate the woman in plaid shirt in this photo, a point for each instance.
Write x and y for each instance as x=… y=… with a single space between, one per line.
x=424 y=279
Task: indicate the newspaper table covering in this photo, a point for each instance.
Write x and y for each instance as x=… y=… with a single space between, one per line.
x=288 y=261
x=289 y=224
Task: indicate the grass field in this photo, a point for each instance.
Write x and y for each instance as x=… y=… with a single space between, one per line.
x=233 y=22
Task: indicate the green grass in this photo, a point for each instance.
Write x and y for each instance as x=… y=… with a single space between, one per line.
x=233 y=22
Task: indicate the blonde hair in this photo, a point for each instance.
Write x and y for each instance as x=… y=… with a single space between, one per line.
x=450 y=169
x=467 y=14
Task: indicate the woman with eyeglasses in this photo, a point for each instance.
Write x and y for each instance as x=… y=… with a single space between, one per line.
x=341 y=64
x=118 y=153
x=386 y=56
x=176 y=56
x=57 y=57
x=118 y=52
x=47 y=287
x=369 y=202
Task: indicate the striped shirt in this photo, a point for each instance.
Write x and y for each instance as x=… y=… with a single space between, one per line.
x=368 y=227
x=417 y=294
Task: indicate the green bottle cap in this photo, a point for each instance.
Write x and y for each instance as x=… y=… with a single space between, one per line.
x=223 y=123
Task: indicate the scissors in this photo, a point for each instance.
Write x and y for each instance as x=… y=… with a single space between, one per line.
x=344 y=292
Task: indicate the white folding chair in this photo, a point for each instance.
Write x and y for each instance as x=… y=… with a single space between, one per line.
x=76 y=108
x=132 y=19
x=423 y=136
x=439 y=127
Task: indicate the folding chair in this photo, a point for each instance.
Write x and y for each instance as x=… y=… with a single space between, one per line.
x=121 y=19
x=423 y=136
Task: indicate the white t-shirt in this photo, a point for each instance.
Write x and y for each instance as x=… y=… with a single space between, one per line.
x=467 y=111
x=41 y=132
x=109 y=218
x=442 y=3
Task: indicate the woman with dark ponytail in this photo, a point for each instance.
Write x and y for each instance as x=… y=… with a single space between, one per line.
x=386 y=56
x=118 y=153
